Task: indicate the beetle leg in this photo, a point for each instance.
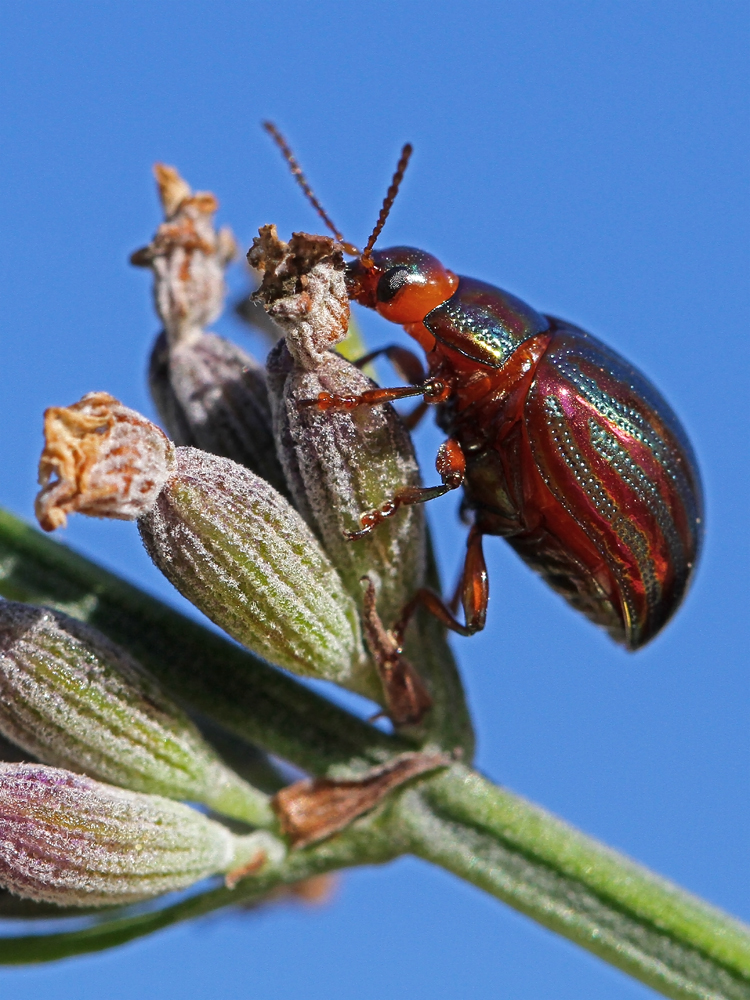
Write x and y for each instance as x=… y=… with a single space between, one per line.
x=412 y=419
x=408 y=364
x=434 y=390
x=473 y=589
x=450 y=464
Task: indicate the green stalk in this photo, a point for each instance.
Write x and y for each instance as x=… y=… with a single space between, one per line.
x=247 y=696
x=367 y=842
x=570 y=883
x=514 y=850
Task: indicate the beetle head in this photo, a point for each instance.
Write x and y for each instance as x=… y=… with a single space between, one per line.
x=403 y=284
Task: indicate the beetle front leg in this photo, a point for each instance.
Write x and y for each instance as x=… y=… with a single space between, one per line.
x=473 y=591
x=409 y=366
x=434 y=390
x=451 y=466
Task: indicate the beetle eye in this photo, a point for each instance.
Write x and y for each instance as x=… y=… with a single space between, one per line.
x=391 y=281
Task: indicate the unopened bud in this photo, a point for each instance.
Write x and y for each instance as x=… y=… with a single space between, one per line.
x=339 y=465
x=210 y=394
x=106 y=460
x=72 y=698
x=187 y=255
x=70 y=840
x=238 y=551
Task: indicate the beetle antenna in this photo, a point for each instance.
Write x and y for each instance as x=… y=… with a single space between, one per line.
x=387 y=203
x=294 y=166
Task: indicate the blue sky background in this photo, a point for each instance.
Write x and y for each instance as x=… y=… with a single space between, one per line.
x=587 y=156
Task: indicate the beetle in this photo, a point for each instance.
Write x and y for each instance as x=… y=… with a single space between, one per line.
x=562 y=447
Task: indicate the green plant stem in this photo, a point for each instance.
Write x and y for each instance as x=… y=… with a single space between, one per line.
x=570 y=883
x=250 y=698
x=457 y=819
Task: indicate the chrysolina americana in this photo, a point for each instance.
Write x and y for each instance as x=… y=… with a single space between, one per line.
x=563 y=448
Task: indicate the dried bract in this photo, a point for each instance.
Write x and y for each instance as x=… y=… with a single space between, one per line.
x=70 y=840
x=72 y=698
x=102 y=459
x=312 y=810
x=187 y=255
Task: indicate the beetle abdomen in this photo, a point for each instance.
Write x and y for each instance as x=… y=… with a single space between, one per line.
x=614 y=457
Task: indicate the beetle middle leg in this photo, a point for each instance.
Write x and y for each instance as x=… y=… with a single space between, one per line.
x=451 y=466
x=473 y=591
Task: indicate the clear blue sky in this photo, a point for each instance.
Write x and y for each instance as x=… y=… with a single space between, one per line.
x=589 y=157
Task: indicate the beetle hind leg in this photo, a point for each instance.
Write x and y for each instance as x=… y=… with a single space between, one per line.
x=473 y=592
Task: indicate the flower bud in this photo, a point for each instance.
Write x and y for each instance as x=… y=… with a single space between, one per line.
x=108 y=461
x=187 y=255
x=338 y=464
x=211 y=395
x=70 y=840
x=238 y=551
x=241 y=554
x=72 y=698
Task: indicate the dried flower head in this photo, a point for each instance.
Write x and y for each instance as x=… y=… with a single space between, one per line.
x=187 y=255
x=100 y=458
x=301 y=290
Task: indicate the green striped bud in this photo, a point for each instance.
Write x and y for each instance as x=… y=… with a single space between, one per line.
x=225 y=538
x=72 y=698
x=70 y=840
x=241 y=554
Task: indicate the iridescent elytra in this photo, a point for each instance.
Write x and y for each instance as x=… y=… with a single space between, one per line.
x=562 y=447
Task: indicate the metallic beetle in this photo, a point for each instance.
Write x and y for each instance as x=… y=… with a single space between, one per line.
x=563 y=448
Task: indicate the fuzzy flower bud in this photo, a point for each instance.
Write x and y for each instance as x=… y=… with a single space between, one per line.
x=338 y=464
x=187 y=255
x=210 y=394
x=241 y=554
x=107 y=460
x=69 y=840
x=72 y=698
x=238 y=551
